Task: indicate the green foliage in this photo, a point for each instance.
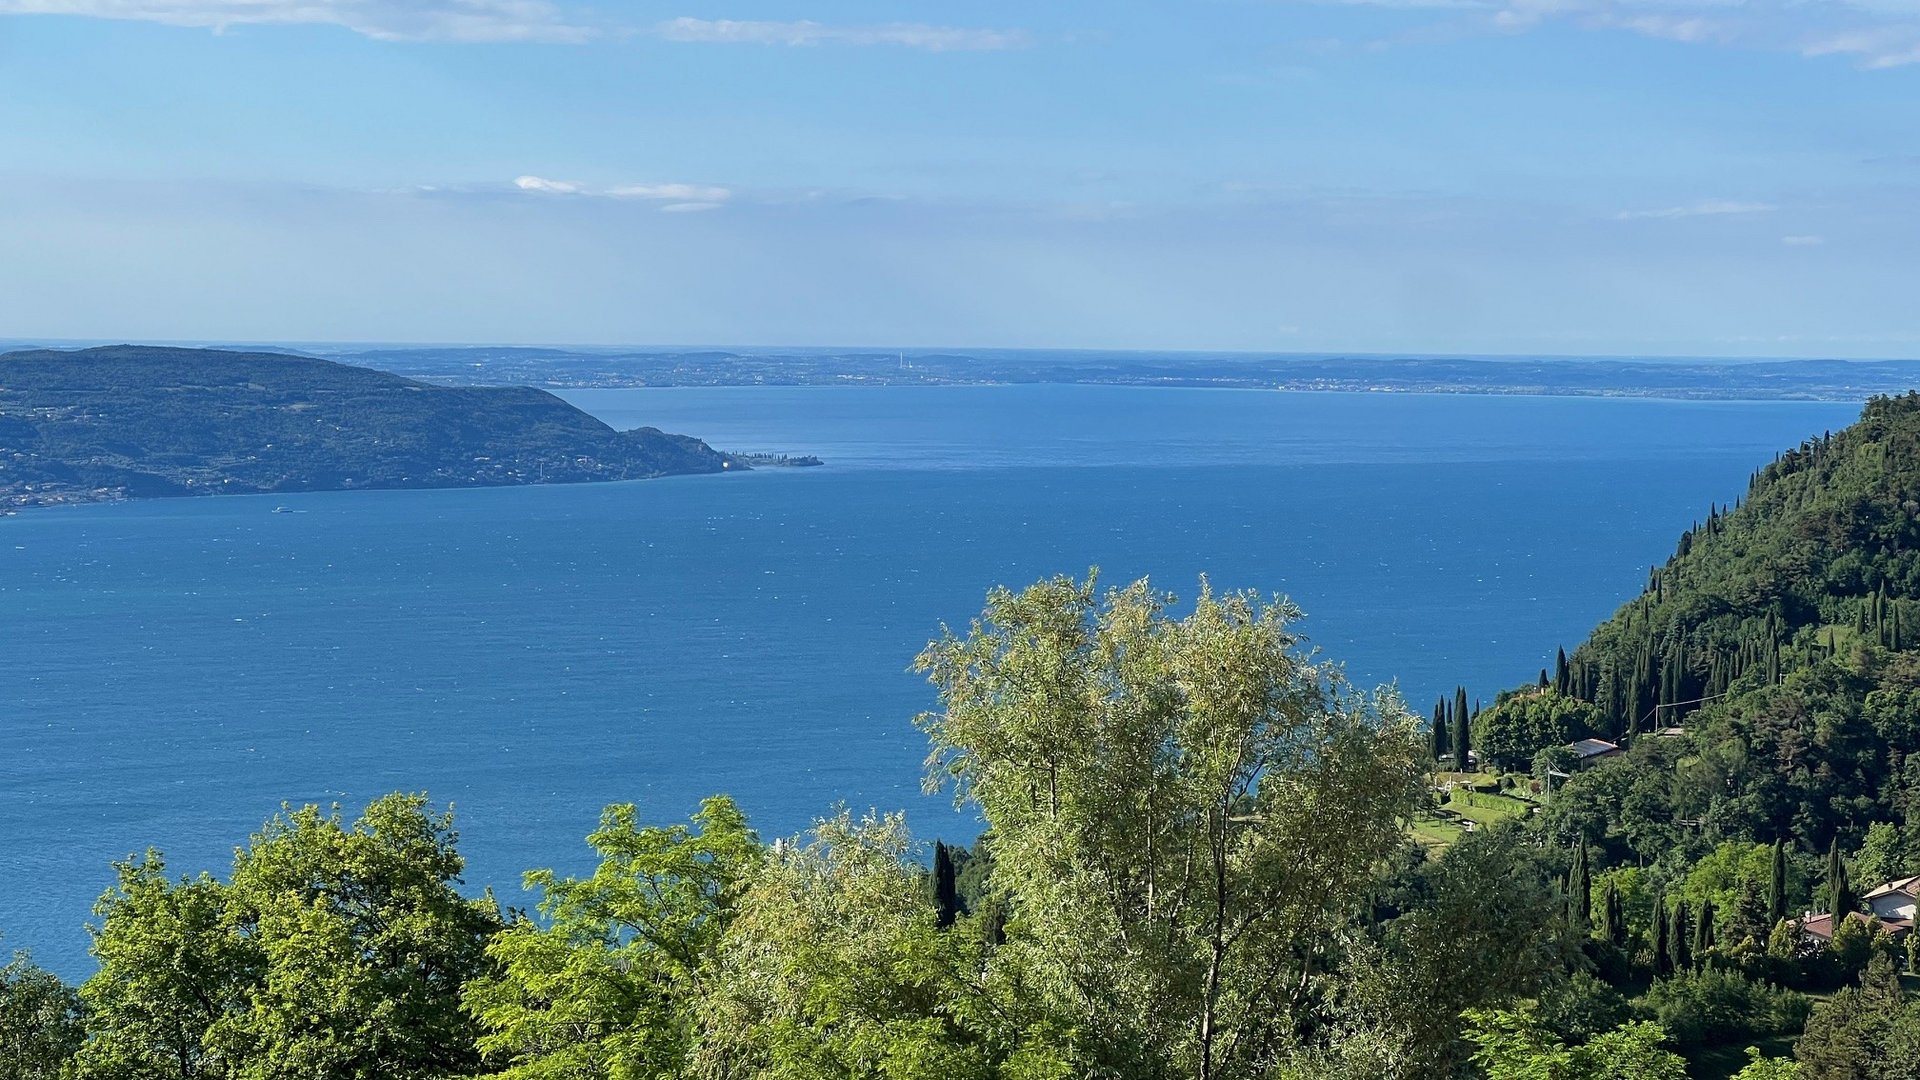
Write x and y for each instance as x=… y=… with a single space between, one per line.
x=334 y=951
x=835 y=966
x=1515 y=1045
x=40 y=1021
x=1474 y=927
x=1865 y=1032
x=608 y=982
x=1581 y=1007
x=1714 y=1007
x=1760 y=1067
x=1778 y=634
x=1525 y=722
x=1181 y=808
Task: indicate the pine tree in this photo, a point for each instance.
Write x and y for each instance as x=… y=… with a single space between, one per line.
x=1679 y=945
x=1580 y=889
x=1777 y=887
x=946 y=893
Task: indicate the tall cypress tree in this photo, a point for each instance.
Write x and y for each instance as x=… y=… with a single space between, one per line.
x=1679 y=943
x=1703 y=932
x=1562 y=678
x=946 y=893
x=1840 y=900
x=1777 y=887
x=1580 y=889
x=1462 y=730
x=1440 y=744
x=1660 y=933
x=1616 y=915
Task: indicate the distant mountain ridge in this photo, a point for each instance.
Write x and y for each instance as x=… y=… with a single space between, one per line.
x=139 y=421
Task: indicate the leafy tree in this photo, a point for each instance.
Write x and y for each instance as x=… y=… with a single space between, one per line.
x=1883 y=854
x=334 y=951
x=1712 y=1007
x=1475 y=927
x=835 y=966
x=1760 y=1067
x=1181 y=809
x=40 y=1021
x=608 y=982
x=1580 y=1007
x=1515 y=1045
x=1524 y=722
x=1865 y=1032
x=171 y=968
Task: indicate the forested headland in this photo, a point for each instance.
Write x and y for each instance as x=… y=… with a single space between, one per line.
x=1679 y=851
x=133 y=421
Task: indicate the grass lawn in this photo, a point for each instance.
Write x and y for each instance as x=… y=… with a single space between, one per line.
x=1486 y=809
x=1434 y=832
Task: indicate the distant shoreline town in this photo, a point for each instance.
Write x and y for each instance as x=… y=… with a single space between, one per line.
x=1688 y=379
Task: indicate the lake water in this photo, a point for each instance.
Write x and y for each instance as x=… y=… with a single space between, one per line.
x=174 y=670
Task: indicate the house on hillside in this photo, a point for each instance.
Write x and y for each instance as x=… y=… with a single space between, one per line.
x=1895 y=899
x=1817 y=929
x=1891 y=908
x=1588 y=751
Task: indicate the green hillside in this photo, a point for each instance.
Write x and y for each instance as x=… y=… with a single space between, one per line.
x=131 y=421
x=1780 y=639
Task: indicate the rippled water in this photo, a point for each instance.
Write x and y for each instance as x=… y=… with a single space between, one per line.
x=174 y=670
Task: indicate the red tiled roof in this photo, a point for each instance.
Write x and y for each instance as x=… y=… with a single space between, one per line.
x=1821 y=926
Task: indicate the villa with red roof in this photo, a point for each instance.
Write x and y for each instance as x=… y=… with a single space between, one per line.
x=1890 y=908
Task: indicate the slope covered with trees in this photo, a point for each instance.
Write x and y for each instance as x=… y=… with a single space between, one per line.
x=132 y=421
x=1766 y=683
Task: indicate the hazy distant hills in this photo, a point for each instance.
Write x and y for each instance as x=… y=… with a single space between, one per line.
x=132 y=421
x=1835 y=380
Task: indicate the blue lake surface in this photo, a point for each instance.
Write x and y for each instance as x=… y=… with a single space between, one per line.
x=175 y=670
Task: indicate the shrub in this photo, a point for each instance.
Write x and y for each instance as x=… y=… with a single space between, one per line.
x=1720 y=1006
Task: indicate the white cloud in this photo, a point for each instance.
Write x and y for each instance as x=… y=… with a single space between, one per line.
x=1704 y=208
x=679 y=198
x=1878 y=33
x=474 y=21
x=681 y=193
x=807 y=32
x=1882 y=47
x=551 y=187
x=1803 y=241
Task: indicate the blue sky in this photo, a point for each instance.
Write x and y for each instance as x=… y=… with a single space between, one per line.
x=1679 y=177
